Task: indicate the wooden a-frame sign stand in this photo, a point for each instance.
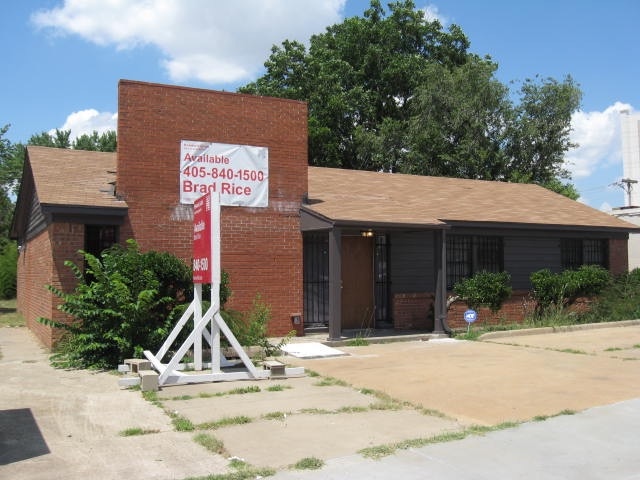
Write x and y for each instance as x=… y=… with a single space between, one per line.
x=206 y=269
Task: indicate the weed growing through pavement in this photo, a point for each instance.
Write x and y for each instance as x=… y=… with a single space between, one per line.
x=181 y=424
x=235 y=391
x=210 y=442
x=380 y=451
x=278 y=388
x=330 y=381
x=134 y=431
x=308 y=463
x=276 y=416
x=224 y=422
x=542 y=418
x=571 y=350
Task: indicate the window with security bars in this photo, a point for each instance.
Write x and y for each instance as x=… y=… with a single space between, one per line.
x=575 y=252
x=469 y=254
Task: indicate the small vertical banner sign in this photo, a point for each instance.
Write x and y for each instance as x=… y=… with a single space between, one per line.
x=202 y=240
x=206 y=239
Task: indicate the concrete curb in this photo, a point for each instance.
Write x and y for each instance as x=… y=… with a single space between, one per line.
x=560 y=329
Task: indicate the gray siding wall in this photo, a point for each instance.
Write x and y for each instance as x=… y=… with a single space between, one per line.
x=527 y=254
x=411 y=262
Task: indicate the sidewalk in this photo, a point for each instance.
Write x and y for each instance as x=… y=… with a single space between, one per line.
x=59 y=424
x=597 y=444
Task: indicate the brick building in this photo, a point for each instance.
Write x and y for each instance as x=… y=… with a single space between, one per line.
x=346 y=249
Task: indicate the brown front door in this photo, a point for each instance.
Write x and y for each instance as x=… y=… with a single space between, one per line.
x=357 y=282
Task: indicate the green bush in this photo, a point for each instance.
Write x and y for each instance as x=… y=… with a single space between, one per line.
x=485 y=289
x=619 y=300
x=127 y=301
x=250 y=329
x=8 y=271
x=557 y=289
x=120 y=306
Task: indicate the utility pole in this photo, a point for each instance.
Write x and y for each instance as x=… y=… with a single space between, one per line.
x=627 y=185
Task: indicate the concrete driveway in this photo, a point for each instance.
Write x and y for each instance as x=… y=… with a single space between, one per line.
x=67 y=424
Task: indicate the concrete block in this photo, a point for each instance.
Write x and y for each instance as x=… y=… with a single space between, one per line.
x=137 y=364
x=277 y=368
x=148 y=380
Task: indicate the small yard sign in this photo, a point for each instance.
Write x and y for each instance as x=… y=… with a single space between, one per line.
x=470 y=316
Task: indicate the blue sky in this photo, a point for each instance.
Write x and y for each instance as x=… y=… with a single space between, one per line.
x=63 y=58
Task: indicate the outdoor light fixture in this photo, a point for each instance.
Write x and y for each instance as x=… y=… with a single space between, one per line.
x=366 y=233
x=296 y=318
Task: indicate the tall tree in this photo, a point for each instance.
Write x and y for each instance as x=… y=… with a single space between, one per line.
x=394 y=91
x=358 y=74
x=105 y=142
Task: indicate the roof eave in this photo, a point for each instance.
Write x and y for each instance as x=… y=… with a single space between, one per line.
x=542 y=226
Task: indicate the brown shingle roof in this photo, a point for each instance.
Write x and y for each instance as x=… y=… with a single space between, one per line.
x=74 y=177
x=359 y=196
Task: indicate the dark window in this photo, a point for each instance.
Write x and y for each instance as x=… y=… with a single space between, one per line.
x=316 y=279
x=468 y=254
x=576 y=252
x=382 y=281
x=99 y=237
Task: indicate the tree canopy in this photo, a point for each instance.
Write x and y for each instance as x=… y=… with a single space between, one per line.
x=397 y=92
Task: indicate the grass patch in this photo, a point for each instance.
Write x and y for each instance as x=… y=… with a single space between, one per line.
x=224 y=422
x=380 y=451
x=235 y=391
x=357 y=342
x=152 y=397
x=311 y=373
x=352 y=409
x=181 y=424
x=132 y=432
x=316 y=411
x=9 y=317
x=278 y=388
x=246 y=473
x=612 y=349
x=308 y=463
x=281 y=416
x=572 y=350
x=243 y=390
x=386 y=405
x=330 y=381
x=210 y=442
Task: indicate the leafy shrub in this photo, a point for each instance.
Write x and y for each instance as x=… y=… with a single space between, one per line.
x=619 y=300
x=127 y=301
x=120 y=306
x=8 y=270
x=485 y=289
x=250 y=329
x=557 y=289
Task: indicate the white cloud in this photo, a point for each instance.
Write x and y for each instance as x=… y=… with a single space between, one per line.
x=209 y=41
x=432 y=13
x=599 y=140
x=86 y=121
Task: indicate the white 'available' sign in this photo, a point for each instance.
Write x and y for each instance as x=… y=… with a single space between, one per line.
x=238 y=173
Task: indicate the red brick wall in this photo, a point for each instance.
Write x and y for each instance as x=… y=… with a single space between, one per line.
x=514 y=310
x=618 y=256
x=261 y=247
x=413 y=311
x=37 y=269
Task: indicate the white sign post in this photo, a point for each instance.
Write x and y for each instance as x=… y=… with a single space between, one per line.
x=206 y=269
